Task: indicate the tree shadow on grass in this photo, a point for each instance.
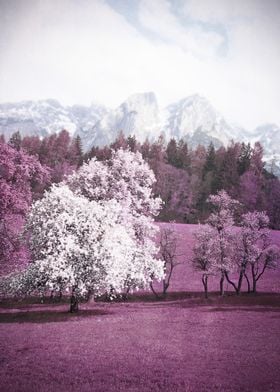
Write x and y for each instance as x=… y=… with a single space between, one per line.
x=49 y=316
x=260 y=309
x=253 y=302
x=30 y=301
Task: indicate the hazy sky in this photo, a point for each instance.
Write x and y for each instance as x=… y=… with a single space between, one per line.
x=83 y=51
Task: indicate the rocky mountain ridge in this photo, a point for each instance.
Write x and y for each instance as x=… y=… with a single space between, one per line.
x=193 y=119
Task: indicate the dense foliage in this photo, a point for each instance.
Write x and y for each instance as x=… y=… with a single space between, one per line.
x=185 y=177
x=21 y=178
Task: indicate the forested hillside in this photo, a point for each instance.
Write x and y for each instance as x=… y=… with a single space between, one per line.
x=185 y=176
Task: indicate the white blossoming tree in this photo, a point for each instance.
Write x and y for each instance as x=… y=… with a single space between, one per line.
x=80 y=245
x=95 y=231
x=127 y=179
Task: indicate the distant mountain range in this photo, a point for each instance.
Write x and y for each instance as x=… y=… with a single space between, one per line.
x=193 y=119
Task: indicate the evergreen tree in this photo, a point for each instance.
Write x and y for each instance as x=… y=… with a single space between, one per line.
x=76 y=151
x=120 y=142
x=244 y=158
x=172 y=153
x=15 y=141
x=183 y=157
x=132 y=143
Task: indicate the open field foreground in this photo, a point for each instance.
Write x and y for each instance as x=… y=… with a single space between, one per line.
x=183 y=343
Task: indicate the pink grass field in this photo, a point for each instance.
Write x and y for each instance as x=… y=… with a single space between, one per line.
x=183 y=343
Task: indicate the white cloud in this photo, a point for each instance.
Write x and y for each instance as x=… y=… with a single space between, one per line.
x=80 y=51
x=158 y=18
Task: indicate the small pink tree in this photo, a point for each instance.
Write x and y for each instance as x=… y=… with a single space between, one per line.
x=168 y=253
x=204 y=259
x=222 y=222
x=258 y=254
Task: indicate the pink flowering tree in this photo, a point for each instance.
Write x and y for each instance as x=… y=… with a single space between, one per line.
x=205 y=253
x=222 y=222
x=221 y=247
x=257 y=252
x=169 y=254
x=19 y=176
x=254 y=252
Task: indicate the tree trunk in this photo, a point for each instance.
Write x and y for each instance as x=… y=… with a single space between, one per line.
x=231 y=282
x=125 y=295
x=205 y=285
x=248 y=283
x=254 y=279
x=153 y=290
x=165 y=287
x=74 y=303
x=254 y=290
x=222 y=283
x=239 y=284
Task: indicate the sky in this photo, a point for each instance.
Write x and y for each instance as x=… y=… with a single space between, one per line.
x=102 y=51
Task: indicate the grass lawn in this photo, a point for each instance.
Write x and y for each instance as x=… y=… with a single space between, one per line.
x=184 y=343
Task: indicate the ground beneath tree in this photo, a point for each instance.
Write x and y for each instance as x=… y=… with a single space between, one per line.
x=184 y=343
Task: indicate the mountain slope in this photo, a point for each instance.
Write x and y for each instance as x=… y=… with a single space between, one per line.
x=195 y=120
x=192 y=119
x=45 y=117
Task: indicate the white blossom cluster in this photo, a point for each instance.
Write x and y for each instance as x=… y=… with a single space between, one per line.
x=96 y=230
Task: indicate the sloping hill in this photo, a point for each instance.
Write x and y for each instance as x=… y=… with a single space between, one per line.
x=186 y=279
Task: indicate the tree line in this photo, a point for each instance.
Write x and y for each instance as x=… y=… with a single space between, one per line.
x=185 y=177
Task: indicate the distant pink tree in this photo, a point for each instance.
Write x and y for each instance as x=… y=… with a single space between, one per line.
x=173 y=186
x=61 y=154
x=19 y=174
x=214 y=249
x=273 y=202
x=205 y=249
x=222 y=221
x=257 y=252
x=31 y=145
x=169 y=254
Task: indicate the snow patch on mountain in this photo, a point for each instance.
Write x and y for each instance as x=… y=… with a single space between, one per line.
x=44 y=117
x=192 y=119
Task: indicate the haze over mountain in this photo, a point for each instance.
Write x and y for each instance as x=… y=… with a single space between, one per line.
x=193 y=119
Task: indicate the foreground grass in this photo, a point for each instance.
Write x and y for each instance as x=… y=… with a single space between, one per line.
x=184 y=343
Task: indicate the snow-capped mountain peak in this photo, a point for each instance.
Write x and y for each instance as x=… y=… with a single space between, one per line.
x=192 y=119
x=140 y=100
